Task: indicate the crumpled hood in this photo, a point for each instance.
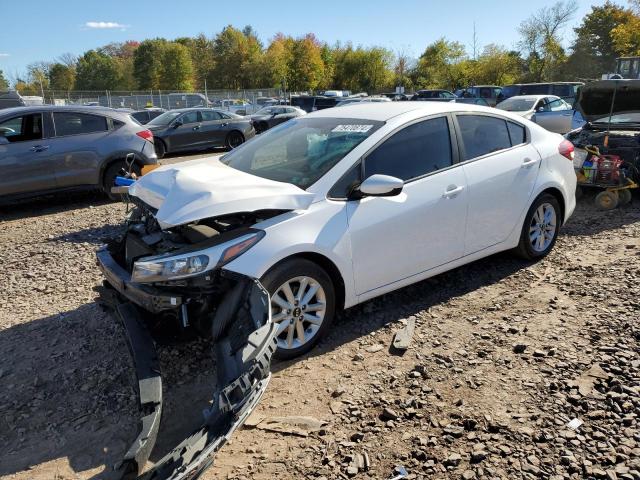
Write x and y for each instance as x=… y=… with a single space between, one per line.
x=594 y=99
x=206 y=188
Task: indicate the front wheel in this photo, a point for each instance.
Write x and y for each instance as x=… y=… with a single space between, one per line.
x=302 y=304
x=234 y=140
x=540 y=228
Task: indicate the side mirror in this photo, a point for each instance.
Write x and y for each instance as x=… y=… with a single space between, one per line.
x=177 y=123
x=381 y=186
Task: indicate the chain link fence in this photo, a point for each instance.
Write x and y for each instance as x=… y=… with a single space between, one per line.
x=234 y=100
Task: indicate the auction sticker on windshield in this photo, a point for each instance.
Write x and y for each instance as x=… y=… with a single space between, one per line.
x=352 y=128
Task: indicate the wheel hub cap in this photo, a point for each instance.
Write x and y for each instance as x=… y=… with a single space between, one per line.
x=542 y=230
x=298 y=307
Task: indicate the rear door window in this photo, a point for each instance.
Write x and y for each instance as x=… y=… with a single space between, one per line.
x=210 y=115
x=414 y=151
x=74 y=123
x=517 y=133
x=482 y=135
x=189 y=117
x=23 y=128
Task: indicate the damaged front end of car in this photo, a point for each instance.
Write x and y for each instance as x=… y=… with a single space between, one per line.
x=171 y=280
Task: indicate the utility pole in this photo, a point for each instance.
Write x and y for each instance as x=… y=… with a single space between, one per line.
x=475 y=42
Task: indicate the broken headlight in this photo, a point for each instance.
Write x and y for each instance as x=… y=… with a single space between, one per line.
x=173 y=267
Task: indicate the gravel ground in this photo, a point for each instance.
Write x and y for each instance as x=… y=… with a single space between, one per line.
x=505 y=354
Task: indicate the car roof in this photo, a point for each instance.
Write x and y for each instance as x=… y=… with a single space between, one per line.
x=532 y=97
x=383 y=111
x=63 y=108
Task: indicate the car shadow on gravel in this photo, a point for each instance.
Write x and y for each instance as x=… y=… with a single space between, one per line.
x=50 y=204
x=95 y=235
x=66 y=392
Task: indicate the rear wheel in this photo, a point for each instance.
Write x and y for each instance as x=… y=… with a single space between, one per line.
x=234 y=139
x=607 y=200
x=160 y=148
x=302 y=304
x=540 y=229
x=114 y=170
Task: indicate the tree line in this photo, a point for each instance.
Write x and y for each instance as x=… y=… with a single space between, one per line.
x=237 y=59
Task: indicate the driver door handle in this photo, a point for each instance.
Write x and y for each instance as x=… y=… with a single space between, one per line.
x=39 y=148
x=528 y=162
x=452 y=191
x=197 y=127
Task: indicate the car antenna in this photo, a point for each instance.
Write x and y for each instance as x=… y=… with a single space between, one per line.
x=613 y=101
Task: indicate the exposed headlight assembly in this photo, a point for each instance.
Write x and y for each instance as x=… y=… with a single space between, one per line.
x=174 y=267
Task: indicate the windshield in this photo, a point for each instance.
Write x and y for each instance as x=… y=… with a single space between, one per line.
x=301 y=150
x=517 y=104
x=165 y=119
x=631 y=117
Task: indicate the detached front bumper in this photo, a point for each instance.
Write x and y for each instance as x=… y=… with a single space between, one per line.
x=244 y=344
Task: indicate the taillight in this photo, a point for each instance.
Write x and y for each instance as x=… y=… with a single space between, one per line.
x=566 y=149
x=146 y=134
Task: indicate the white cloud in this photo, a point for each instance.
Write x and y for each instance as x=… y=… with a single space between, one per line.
x=105 y=25
x=4 y=54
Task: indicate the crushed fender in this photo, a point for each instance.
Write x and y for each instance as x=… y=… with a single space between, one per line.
x=243 y=348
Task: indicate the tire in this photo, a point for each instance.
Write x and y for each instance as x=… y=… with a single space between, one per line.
x=546 y=208
x=264 y=126
x=624 y=196
x=234 y=139
x=110 y=174
x=296 y=273
x=160 y=147
x=607 y=200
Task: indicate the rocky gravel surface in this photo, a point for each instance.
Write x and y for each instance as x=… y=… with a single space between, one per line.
x=514 y=371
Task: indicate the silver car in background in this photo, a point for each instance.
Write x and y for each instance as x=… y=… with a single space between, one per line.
x=47 y=148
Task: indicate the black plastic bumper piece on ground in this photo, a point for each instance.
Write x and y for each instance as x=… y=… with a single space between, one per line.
x=149 y=388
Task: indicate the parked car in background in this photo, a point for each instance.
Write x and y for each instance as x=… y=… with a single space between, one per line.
x=350 y=101
x=613 y=126
x=398 y=97
x=50 y=148
x=199 y=129
x=148 y=114
x=548 y=111
x=268 y=117
x=11 y=99
x=336 y=93
x=431 y=94
x=326 y=213
x=239 y=107
x=491 y=93
x=565 y=90
x=470 y=101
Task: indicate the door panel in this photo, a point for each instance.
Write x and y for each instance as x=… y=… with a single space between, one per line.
x=74 y=149
x=500 y=188
x=188 y=134
x=212 y=128
x=558 y=121
x=393 y=238
x=25 y=160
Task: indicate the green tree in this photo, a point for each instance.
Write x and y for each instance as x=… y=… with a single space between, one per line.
x=4 y=84
x=177 y=69
x=442 y=66
x=96 y=71
x=62 y=77
x=496 y=66
x=541 y=39
x=238 y=58
x=123 y=54
x=595 y=49
x=626 y=37
x=306 y=65
x=202 y=59
x=147 y=63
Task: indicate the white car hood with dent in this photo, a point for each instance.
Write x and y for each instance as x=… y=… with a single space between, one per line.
x=199 y=189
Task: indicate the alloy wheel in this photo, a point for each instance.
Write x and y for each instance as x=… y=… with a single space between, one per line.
x=542 y=229
x=298 y=307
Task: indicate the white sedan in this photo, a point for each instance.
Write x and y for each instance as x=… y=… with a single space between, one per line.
x=548 y=111
x=342 y=205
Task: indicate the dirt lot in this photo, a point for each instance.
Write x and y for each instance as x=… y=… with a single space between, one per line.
x=504 y=355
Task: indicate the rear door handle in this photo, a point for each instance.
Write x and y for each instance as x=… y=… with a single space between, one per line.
x=197 y=127
x=452 y=191
x=528 y=162
x=39 y=148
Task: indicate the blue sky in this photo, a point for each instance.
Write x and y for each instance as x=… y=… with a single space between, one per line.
x=44 y=29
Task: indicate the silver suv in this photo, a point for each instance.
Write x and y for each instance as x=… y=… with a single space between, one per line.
x=50 y=148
